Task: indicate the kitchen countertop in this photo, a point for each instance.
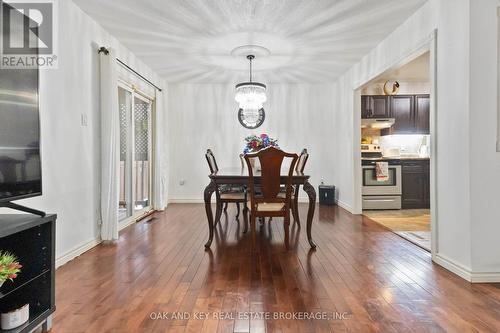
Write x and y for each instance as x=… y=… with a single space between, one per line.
x=392 y=158
x=409 y=158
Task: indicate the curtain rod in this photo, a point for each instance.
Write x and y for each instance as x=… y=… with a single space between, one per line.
x=106 y=52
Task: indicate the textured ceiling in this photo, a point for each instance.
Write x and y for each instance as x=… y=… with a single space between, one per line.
x=192 y=40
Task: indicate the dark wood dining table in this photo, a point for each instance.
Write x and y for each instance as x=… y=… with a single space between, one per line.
x=239 y=176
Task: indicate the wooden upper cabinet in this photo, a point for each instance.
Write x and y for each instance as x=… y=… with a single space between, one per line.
x=365 y=107
x=410 y=112
x=375 y=107
x=403 y=111
x=381 y=107
x=422 y=114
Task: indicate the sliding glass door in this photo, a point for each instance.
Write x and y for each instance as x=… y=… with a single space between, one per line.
x=142 y=156
x=135 y=153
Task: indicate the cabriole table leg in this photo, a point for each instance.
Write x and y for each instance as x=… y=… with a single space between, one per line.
x=311 y=193
x=211 y=188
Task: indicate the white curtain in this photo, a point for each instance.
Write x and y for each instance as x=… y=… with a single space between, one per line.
x=110 y=146
x=160 y=181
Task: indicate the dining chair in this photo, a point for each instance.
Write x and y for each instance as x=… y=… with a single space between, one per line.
x=257 y=188
x=226 y=194
x=269 y=203
x=242 y=161
x=299 y=167
x=301 y=163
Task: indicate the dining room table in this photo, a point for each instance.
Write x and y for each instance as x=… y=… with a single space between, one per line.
x=238 y=176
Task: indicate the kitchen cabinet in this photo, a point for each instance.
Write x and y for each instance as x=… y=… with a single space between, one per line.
x=403 y=112
x=422 y=114
x=415 y=184
x=375 y=106
x=411 y=114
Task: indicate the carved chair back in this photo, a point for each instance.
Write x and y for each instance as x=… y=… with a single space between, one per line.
x=212 y=163
x=301 y=163
x=271 y=160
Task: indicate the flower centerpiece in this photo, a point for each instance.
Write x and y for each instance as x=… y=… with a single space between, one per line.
x=9 y=267
x=254 y=143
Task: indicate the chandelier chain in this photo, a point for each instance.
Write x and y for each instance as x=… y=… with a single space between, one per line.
x=250 y=57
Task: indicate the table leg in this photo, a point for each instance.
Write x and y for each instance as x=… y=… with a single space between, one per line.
x=295 y=206
x=218 y=205
x=245 y=217
x=211 y=188
x=311 y=192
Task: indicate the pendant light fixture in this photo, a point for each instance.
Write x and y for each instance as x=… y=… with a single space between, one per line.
x=251 y=97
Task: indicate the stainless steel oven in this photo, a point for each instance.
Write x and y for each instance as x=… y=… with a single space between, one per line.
x=384 y=194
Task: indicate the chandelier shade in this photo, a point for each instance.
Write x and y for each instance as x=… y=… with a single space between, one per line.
x=250 y=95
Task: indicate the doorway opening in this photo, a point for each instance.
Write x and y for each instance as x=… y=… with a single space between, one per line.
x=396 y=160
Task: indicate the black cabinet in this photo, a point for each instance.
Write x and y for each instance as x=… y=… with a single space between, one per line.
x=410 y=112
x=375 y=106
x=403 y=112
x=422 y=114
x=415 y=184
x=32 y=240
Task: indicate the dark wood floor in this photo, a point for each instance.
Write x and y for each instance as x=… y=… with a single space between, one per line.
x=369 y=278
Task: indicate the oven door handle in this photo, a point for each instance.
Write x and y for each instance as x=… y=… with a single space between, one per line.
x=378 y=200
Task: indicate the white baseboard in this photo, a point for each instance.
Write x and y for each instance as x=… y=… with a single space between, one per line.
x=200 y=200
x=485 y=277
x=194 y=200
x=77 y=251
x=344 y=205
x=122 y=226
x=458 y=269
x=465 y=272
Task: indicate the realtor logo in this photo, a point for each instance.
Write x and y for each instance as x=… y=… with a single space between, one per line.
x=28 y=33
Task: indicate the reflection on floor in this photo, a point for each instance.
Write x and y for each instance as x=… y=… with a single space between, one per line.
x=411 y=224
x=360 y=278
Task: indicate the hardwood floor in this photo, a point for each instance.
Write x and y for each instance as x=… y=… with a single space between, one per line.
x=369 y=278
x=402 y=219
x=411 y=224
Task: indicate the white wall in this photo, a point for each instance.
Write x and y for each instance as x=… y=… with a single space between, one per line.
x=205 y=116
x=468 y=167
x=450 y=18
x=484 y=160
x=392 y=51
x=71 y=152
x=453 y=174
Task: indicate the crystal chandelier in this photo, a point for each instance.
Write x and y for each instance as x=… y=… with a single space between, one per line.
x=250 y=95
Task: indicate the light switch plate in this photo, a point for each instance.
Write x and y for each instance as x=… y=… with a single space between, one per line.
x=84 y=120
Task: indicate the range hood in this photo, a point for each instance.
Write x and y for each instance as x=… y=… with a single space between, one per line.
x=377 y=123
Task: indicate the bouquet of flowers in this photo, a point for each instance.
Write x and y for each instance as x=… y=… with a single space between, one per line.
x=255 y=143
x=9 y=267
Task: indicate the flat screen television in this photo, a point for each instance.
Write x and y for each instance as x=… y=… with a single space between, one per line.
x=20 y=164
